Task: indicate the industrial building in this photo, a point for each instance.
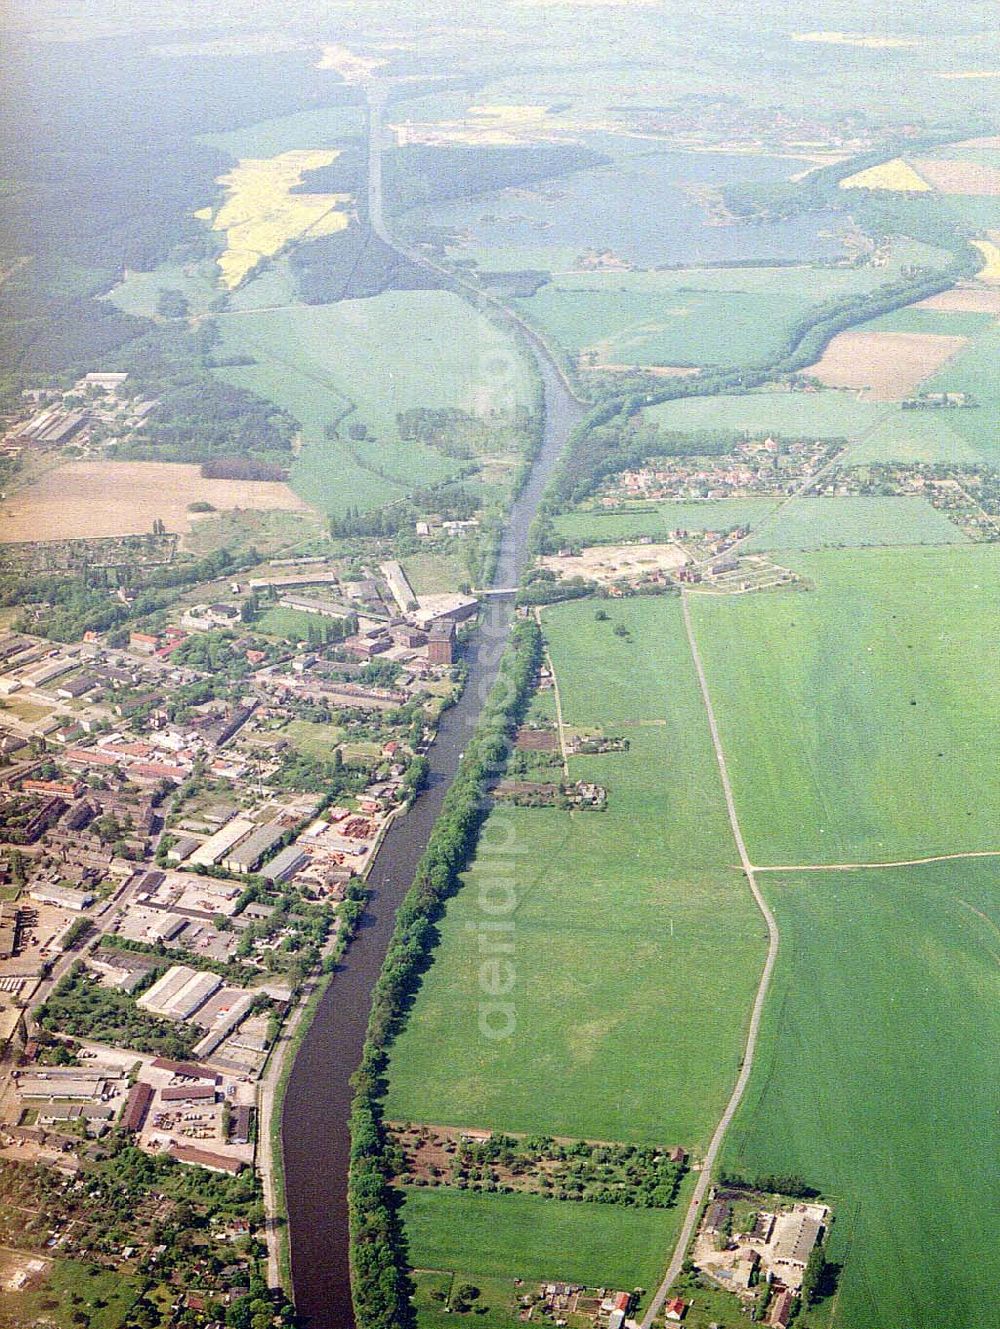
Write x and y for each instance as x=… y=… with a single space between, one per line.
x=180 y=992
x=217 y=846
x=248 y=853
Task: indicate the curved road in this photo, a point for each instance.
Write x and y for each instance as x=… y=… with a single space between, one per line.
x=746 y=1066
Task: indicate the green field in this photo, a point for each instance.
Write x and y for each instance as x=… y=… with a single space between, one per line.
x=943 y=322
x=878 y=431
x=433 y=572
x=692 y=316
x=675 y=326
x=876 y=1082
x=140 y=291
x=364 y=361
x=637 y=945
x=313 y=739
x=325 y=127
x=659 y=519
x=296 y=624
x=526 y=1236
x=817 y=523
x=861 y=719
x=829 y=414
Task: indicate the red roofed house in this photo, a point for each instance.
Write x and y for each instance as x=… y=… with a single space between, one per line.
x=146 y=642
x=623 y=1301
x=675 y=1309
x=91 y=757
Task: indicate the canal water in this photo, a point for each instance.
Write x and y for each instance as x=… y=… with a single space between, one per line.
x=314 y=1127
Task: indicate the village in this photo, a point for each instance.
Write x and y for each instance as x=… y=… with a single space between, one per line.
x=187 y=818
x=756 y=467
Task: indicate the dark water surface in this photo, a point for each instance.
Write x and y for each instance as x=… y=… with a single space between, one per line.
x=314 y=1128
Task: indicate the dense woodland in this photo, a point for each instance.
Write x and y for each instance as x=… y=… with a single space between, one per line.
x=418 y=174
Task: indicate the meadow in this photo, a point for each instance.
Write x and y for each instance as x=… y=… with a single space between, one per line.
x=526 y=1236
x=695 y=316
x=673 y=327
x=139 y=293
x=877 y=431
x=871 y=1083
x=364 y=361
x=818 y=523
x=860 y=718
x=825 y=414
x=637 y=945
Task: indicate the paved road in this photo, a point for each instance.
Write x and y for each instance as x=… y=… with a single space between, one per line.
x=705 y=1177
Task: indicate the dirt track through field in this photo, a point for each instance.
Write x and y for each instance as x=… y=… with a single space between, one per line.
x=897 y=863
x=746 y=1066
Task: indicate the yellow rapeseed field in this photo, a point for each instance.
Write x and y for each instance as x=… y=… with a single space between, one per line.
x=895 y=175
x=991 y=253
x=261 y=214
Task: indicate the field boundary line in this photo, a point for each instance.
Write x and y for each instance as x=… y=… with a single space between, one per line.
x=750 y=1047
x=895 y=863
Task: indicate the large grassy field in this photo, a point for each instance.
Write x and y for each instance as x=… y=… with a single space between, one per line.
x=364 y=361
x=529 y=1237
x=637 y=945
x=643 y=326
x=693 y=316
x=816 y=523
x=829 y=414
x=861 y=718
x=876 y=1081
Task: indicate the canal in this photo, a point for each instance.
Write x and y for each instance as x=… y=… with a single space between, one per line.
x=314 y=1127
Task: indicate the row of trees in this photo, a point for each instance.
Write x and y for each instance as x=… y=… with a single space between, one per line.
x=378 y=1275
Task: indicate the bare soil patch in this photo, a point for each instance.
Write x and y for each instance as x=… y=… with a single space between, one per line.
x=884 y=366
x=959 y=177
x=965 y=300
x=537 y=740
x=93 y=498
x=607 y=563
